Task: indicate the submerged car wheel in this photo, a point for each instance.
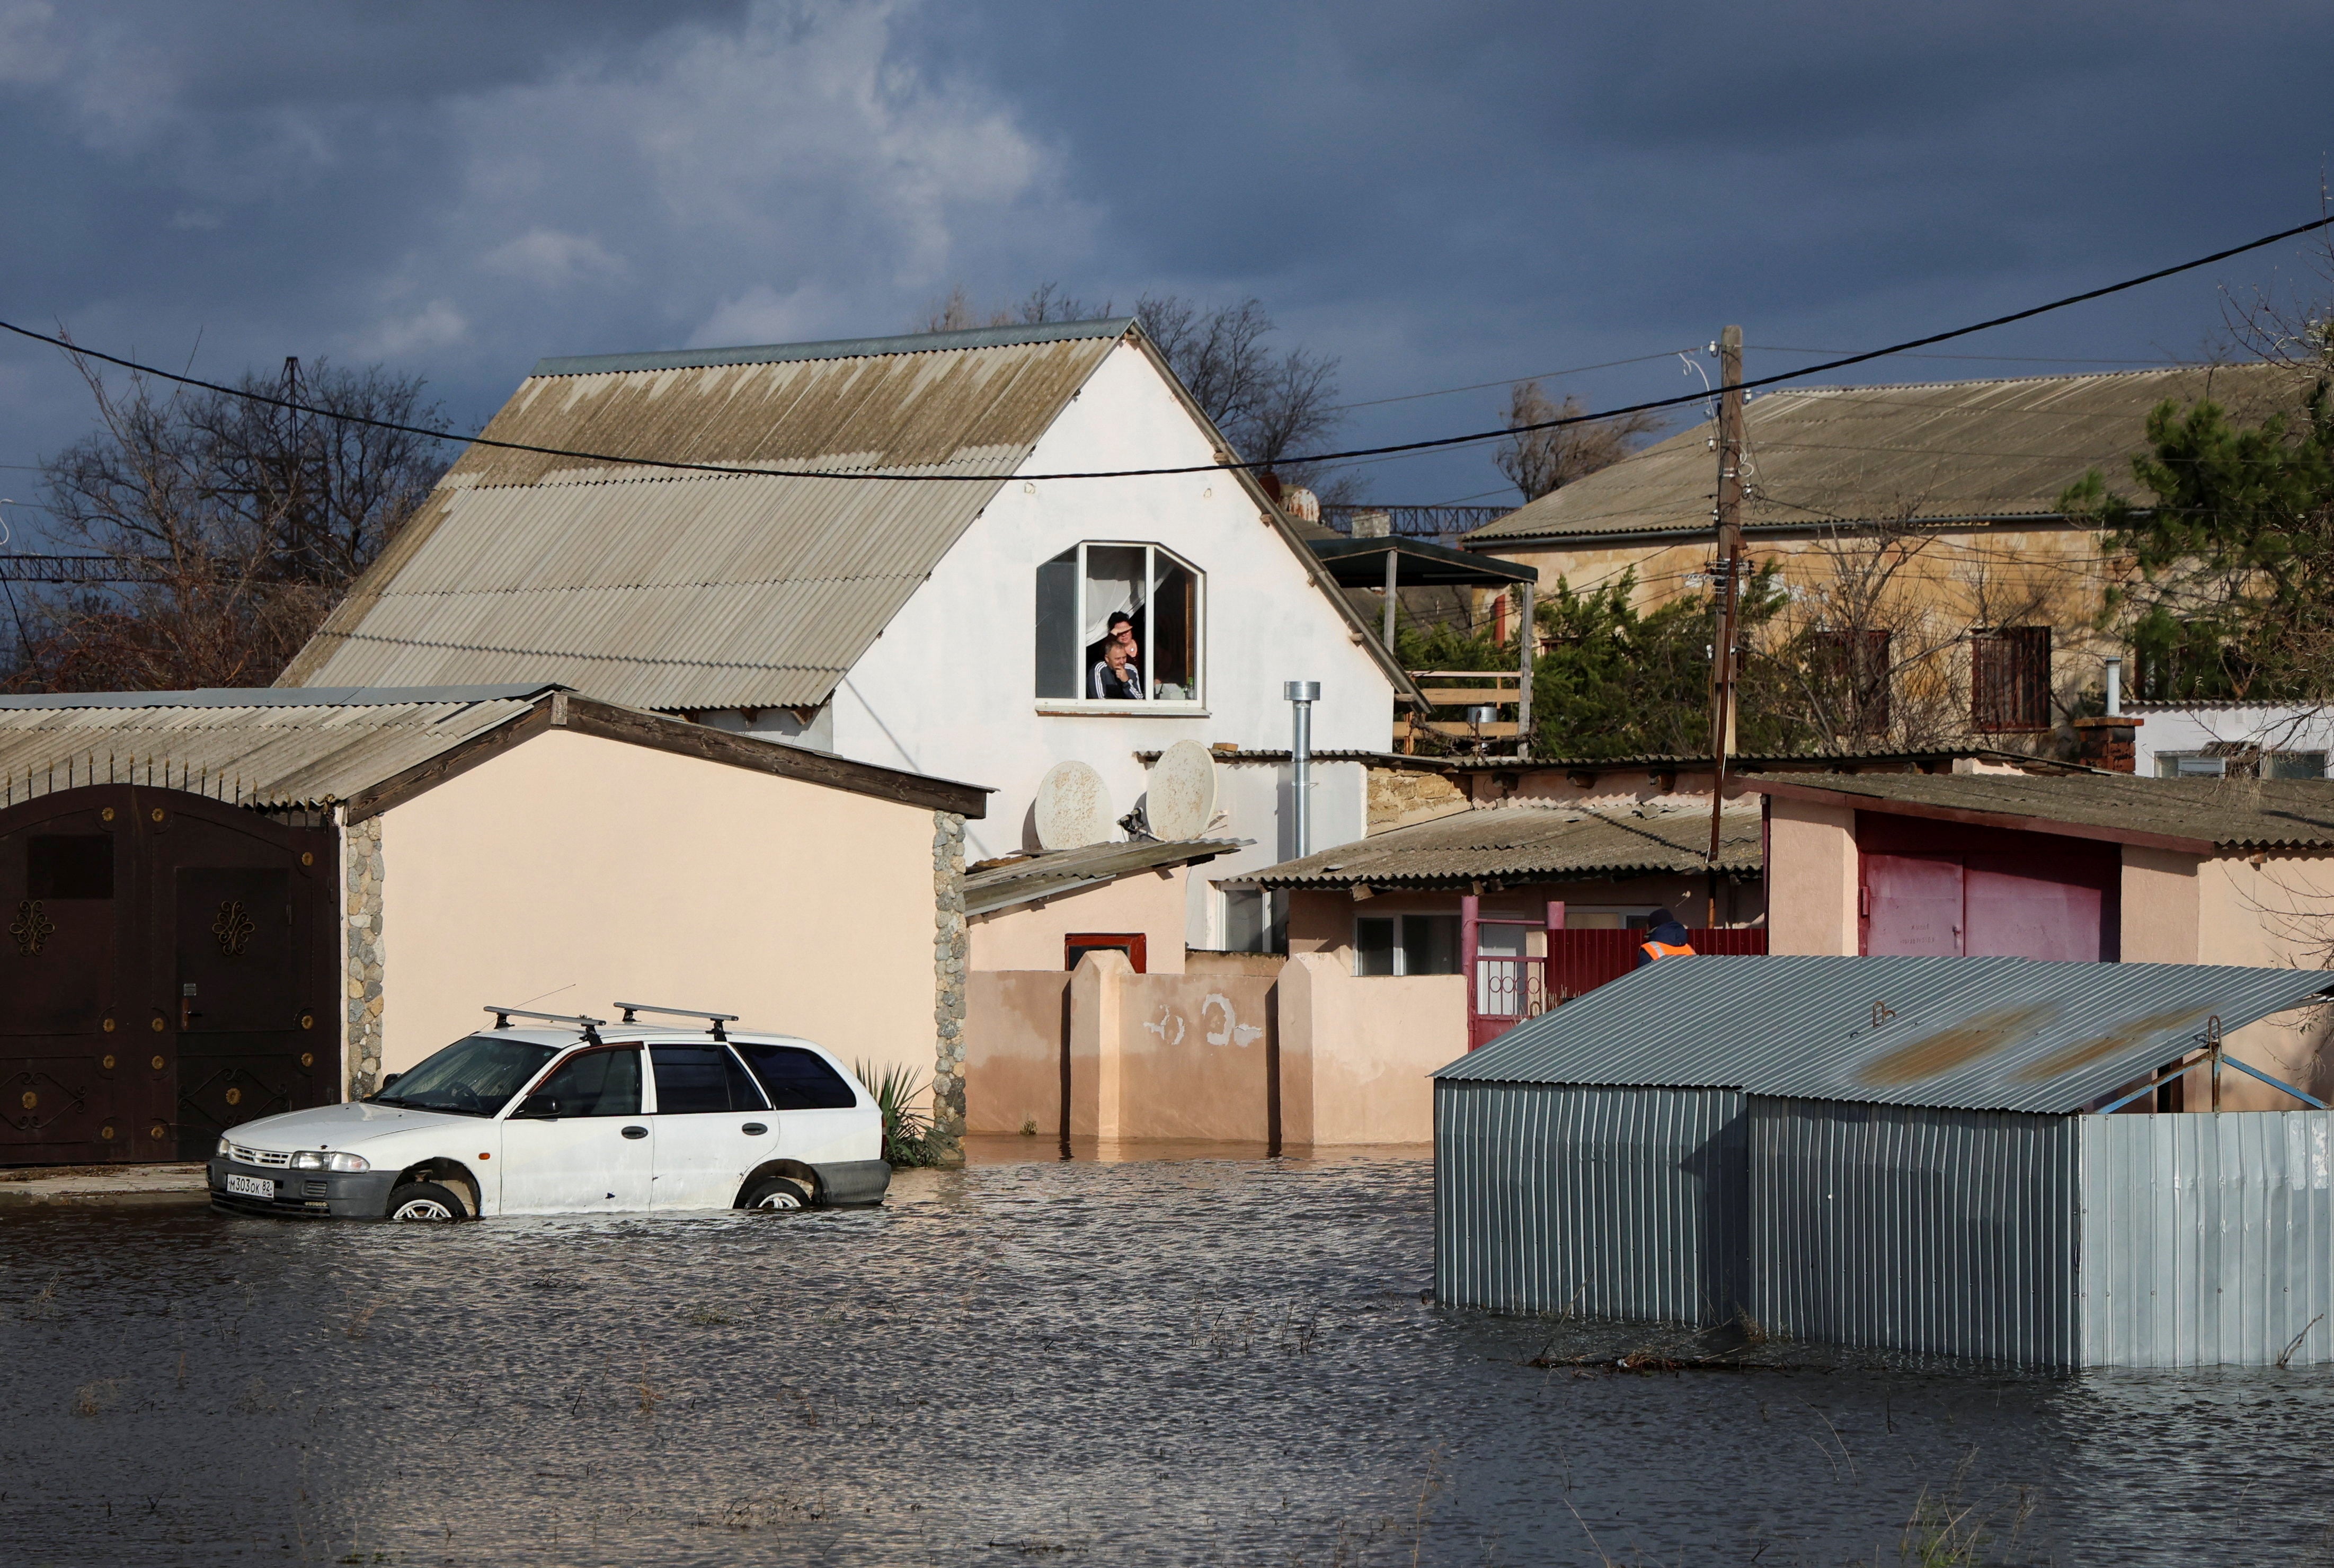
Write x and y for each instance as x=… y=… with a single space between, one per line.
x=425 y=1202
x=777 y=1194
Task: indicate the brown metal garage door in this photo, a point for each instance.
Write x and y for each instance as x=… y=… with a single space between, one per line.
x=167 y=973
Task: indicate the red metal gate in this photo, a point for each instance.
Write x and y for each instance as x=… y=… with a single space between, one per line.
x=1927 y=888
x=1504 y=988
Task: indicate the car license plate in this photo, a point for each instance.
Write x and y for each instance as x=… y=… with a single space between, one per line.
x=251 y=1186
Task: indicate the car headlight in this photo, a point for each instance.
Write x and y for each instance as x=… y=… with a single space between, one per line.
x=318 y=1160
x=222 y=1148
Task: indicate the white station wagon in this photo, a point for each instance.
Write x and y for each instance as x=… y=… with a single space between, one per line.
x=566 y=1120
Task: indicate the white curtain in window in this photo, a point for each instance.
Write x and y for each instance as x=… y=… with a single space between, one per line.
x=1113 y=588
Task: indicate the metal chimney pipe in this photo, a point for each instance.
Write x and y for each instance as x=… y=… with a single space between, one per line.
x=2114 y=687
x=1301 y=695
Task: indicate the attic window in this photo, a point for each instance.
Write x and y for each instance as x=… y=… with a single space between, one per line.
x=1095 y=593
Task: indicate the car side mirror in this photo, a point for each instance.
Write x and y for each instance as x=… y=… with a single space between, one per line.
x=390 y=1078
x=536 y=1107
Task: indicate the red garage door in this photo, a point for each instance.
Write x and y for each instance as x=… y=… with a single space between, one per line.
x=1941 y=887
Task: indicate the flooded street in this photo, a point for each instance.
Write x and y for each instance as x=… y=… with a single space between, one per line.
x=1163 y=1362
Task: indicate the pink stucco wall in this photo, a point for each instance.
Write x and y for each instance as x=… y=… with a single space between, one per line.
x=1355 y=1051
x=1014 y=1024
x=1030 y=936
x=1811 y=872
x=1192 y=1057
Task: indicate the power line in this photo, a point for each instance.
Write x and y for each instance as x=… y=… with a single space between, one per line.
x=1431 y=444
x=1515 y=379
x=1999 y=358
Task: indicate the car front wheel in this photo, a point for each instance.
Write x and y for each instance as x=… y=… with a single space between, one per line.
x=775 y=1194
x=424 y=1203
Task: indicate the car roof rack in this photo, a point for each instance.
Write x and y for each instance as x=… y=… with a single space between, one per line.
x=590 y=1026
x=716 y=1020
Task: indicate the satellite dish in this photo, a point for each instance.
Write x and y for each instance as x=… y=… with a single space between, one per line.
x=1073 y=807
x=1182 y=798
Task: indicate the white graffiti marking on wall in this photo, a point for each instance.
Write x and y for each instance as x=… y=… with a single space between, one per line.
x=1232 y=1032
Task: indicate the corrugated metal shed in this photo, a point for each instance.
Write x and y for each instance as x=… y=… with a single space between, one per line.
x=1519 y=843
x=1968 y=1033
x=992 y=885
x=2208 y=1240
x=1935 y=451
x=1613 y=1203
x=272 y=748
x=1947 y=1232
x=2199 y=814
x=680 y=592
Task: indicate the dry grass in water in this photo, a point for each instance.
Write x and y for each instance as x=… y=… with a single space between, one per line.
x=93 y=1398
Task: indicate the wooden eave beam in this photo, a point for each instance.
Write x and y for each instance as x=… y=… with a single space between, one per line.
x=2203 y=848
x=589 y=716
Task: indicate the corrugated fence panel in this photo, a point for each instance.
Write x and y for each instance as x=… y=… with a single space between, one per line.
x=1610 y=1203
x=1939 y=1232
x=2208 y=1239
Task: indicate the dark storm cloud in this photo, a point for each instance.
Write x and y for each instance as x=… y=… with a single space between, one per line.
x=1439 y=194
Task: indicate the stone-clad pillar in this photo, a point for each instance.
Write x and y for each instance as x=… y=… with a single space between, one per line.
x=361 y=872
x=951 y=947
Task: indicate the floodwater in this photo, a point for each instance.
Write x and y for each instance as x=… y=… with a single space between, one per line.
x=1189 y=1360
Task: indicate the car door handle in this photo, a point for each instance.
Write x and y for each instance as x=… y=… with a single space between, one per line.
x=755 y=1129
x=636 y=1132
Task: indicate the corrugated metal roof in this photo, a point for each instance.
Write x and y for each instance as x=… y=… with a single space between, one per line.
x=713 y=591
x=1515 y=843
x=265 y=752
x=280 y=696
x=1948 y=451
x=2231 y=813
x=837 y=348
x=999 y=884
x=1957 y=1033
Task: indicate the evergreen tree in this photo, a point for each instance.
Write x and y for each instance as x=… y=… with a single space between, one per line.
x=2232 y=586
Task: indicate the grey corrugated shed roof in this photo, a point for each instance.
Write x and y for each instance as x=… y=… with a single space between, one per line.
x=1515 y=843
x=264 y=751
x=1966 y=1033
x=710 y=591
x=1948 y=451
x=1003 y=885
x=2201 y=813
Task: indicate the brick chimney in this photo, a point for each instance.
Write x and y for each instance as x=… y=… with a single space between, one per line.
x=2109 y=742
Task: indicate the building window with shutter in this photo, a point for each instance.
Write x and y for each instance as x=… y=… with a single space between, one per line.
x=2010 y=679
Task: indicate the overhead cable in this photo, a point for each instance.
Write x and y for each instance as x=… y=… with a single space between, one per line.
x=1230 y=463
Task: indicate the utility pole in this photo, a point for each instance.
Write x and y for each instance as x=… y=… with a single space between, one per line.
x=1729 y=517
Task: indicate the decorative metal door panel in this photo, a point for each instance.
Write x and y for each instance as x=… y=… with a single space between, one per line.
x=116 y=900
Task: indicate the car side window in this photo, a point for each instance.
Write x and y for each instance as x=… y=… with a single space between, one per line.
x=693 y=1079
x=797 y=1079
x=593 y=1083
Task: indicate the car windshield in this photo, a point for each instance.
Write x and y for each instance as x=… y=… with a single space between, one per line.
x=471 y=1077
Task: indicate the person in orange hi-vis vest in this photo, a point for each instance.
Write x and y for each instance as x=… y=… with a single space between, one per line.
x=1664 y=938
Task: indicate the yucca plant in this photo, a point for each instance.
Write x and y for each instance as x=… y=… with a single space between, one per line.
x=907 y=1128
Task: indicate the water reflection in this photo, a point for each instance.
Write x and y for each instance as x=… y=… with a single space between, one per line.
x=1114 y=1359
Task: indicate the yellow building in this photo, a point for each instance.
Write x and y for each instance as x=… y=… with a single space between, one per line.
x=1917 y=529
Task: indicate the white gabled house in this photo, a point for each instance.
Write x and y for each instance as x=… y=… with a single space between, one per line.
x=931 y=604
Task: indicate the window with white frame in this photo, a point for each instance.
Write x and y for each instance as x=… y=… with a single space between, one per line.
x=2240 y=761
x=1250 y=923
x=1119 y=622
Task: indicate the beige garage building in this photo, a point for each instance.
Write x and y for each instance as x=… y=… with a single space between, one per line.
x=224 y=903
